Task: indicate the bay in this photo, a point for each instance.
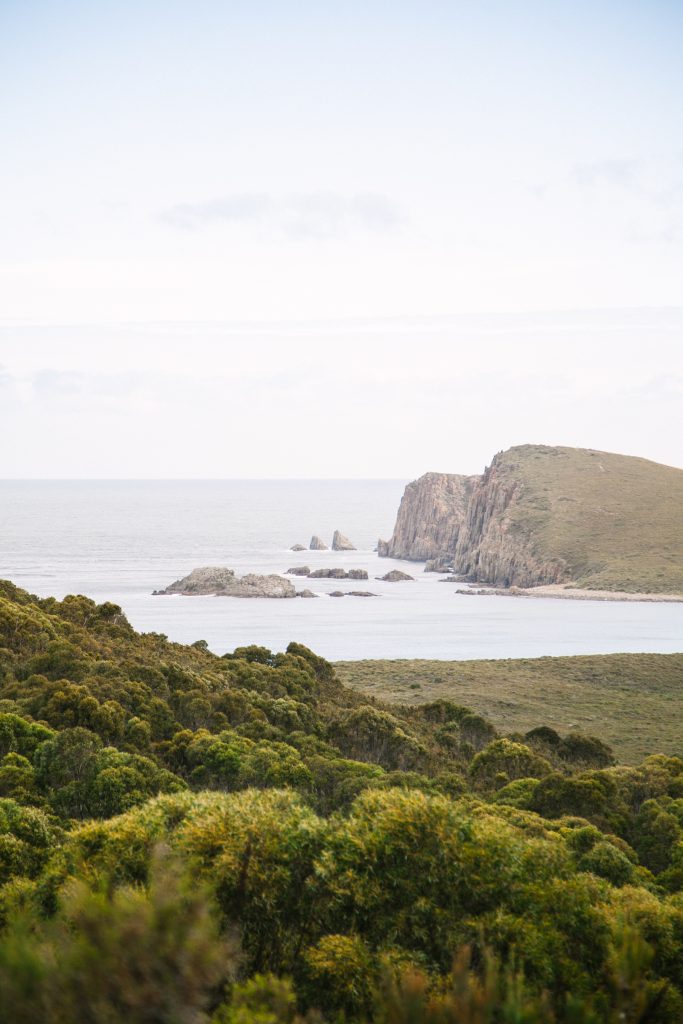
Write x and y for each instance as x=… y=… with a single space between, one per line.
x=120 y=540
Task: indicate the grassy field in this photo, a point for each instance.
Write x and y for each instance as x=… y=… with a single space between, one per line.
x=616 y=521
x=632 y=701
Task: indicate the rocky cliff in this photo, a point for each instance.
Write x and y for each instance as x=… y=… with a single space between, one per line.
x=497 y=545
x=540 y=515
x=430 y=516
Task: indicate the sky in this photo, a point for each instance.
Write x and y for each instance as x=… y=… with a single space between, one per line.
x=311 y=239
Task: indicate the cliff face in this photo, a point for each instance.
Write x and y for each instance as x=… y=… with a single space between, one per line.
x=468 y=521
x=495 y=545
x=430 y=516
x=542 y=514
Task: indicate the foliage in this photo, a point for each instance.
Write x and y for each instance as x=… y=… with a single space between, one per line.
x=350 y=848
x=139 y=956
x=636 y=698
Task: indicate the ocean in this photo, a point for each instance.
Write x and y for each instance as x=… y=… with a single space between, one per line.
x=120 y=540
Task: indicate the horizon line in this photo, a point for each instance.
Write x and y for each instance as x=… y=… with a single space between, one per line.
x=349 y=319
x=198 y=479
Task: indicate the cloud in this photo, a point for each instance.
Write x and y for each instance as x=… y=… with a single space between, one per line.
x=651 y=194
x=660 y=181
x=662 y=388
x=612 y=172
x=307 y=215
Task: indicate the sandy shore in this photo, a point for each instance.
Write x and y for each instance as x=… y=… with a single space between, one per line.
x=566 y=592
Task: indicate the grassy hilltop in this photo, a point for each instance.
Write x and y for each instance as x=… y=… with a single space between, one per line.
x=615 y=522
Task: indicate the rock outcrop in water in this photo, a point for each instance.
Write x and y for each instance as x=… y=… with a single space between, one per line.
x=338 y=574
x=430 y=516
x=317 y=544
x=342 y=543
x=223 y=582
x=395 y=576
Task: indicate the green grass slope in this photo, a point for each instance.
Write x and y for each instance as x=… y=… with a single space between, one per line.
x=633 y=701
x=615 y=520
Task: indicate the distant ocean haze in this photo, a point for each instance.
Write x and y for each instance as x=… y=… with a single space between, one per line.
x=120 y=540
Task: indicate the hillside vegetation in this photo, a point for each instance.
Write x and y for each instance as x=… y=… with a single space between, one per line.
x=188 y=838
x=632 y=701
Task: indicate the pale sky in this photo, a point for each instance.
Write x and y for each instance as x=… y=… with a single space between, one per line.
x=281 y=239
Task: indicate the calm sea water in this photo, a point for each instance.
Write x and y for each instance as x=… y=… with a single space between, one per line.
x=119 y=540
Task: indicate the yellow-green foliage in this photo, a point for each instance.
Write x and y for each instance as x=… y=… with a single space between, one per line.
x=186 y=838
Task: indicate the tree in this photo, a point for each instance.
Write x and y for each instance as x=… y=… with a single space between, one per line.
x=504 y=760
x=144 y=957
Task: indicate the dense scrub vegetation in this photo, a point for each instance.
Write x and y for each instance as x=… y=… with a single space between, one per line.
x=188 y=838
x=633 y=701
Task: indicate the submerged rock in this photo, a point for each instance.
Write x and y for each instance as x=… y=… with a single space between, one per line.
x=306 y=593
x=341 y=543
x=395 y=576
x=317 y=544
x=352 y=593
x=222 y=582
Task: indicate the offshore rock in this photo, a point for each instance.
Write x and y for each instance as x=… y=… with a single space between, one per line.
x=305 y=593
x=299 y=570
x=298 y=547
x=338 y=574
x=223 y=583
x=342 y=543
x=317 y=544
x=430 y=517
x=395 y=576
x=439 y=565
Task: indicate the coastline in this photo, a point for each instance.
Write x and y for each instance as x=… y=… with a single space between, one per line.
x=566 y=592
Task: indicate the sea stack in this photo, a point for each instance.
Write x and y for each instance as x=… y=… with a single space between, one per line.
x=342 y=543
x=317 y=544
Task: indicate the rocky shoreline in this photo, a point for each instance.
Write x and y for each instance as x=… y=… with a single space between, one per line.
x=565 y=592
